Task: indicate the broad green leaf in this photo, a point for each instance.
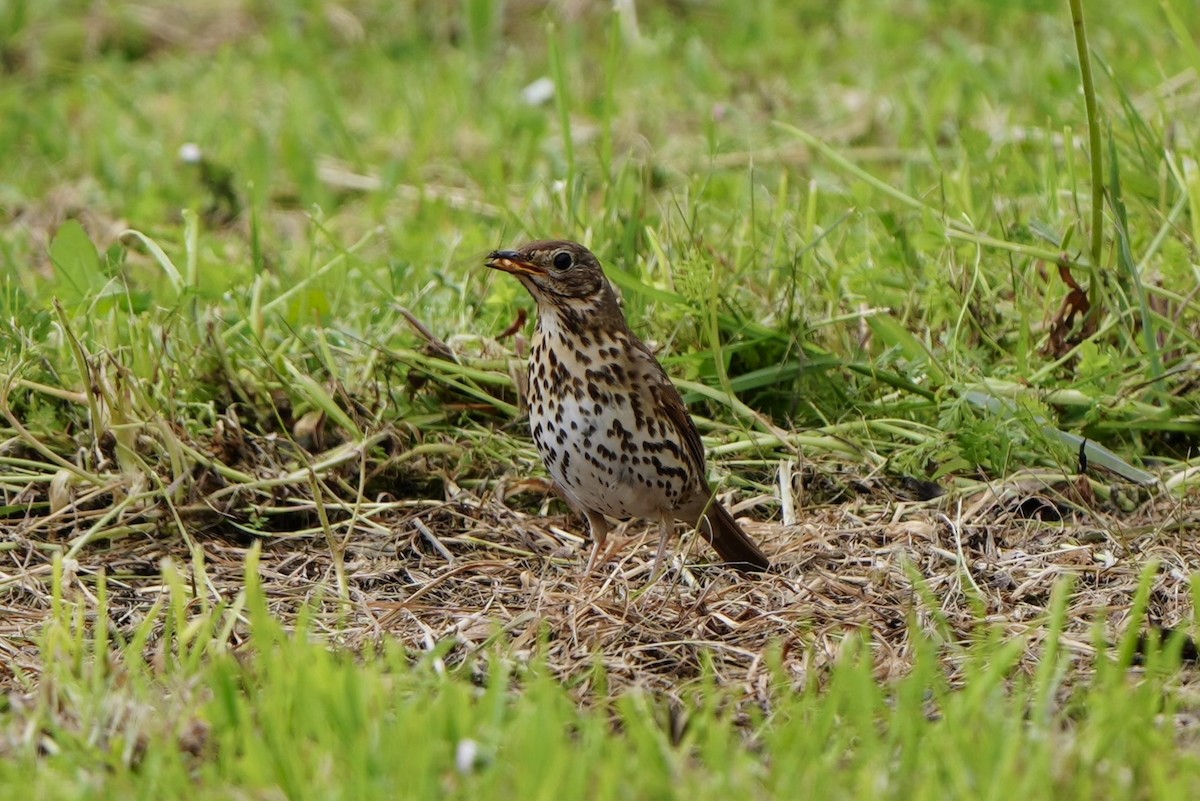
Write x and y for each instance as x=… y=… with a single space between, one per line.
x=76 y=263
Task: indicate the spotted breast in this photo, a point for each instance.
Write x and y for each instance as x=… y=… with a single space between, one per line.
x=591 y=398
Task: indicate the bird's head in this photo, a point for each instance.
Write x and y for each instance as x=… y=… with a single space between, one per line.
x=557 y=273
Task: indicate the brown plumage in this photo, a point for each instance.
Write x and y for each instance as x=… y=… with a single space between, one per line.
x=609 y=424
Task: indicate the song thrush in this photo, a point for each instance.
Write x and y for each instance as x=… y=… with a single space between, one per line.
x=608 y=423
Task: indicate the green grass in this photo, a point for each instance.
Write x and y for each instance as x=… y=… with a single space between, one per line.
x=230 y=699
x=759 y=203
x=842 y=225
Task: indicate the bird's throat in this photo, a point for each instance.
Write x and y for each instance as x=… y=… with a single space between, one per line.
x=594 y=318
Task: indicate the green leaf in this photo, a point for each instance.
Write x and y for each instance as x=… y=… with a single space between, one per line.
x=76 y=263
x=160 y=256
x=889 y=331
x=318 y=397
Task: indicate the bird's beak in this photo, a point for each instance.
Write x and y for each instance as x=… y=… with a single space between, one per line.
x=510 y=261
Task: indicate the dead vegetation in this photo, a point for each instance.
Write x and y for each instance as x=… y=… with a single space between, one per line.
x=482 y=565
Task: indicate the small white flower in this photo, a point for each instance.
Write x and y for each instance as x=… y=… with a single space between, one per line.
x=189 y=153
x=466 y=756
x=538 y=92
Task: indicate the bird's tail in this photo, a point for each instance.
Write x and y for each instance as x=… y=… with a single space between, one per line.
x=728 y=539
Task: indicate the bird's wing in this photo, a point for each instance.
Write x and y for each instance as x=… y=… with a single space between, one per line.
x=667 y=398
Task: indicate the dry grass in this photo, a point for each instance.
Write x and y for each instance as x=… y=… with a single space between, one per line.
x=475 y=567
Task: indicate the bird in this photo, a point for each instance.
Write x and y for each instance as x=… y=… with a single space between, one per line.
x=611 y=428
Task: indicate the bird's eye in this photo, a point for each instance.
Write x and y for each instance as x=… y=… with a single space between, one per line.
x=562 y=260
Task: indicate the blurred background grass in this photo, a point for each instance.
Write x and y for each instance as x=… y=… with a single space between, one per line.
x=361 y=155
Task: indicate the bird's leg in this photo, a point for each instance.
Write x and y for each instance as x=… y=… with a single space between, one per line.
x=664 y=528
x=599 y=529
